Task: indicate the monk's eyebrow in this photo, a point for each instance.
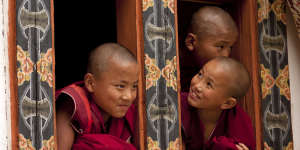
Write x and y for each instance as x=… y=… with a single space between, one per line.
x=122 y=81
x=125 y=82
x=222 y=42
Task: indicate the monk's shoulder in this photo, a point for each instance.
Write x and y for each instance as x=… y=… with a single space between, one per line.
x=65 y=105
x=242 y=113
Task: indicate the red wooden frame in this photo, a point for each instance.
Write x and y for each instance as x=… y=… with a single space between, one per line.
x=12 y=51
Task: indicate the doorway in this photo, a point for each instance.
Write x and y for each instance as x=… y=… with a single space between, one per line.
x=79 y=28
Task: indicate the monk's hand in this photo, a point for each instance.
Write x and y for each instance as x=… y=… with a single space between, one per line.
x=129 y=140
x=241 y=146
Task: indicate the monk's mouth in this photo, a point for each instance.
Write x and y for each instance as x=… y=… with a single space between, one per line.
x=124 y=106
x=194 y=95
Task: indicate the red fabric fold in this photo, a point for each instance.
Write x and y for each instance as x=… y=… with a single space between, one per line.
x=223 y=143
x=100 y=142
x=233 y=126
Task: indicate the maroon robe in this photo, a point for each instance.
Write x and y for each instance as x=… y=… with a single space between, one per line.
x=88 y=123
x=233 y=126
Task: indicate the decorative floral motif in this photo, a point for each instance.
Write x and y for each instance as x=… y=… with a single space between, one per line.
x=289 y=146
x=152 y=145
x=153 y=72
x=295 y=9
x=282 y=82
x=168 y=72
x=174 y=145
x=44 y=67
x=48 y=144
x=169 y=4
x=26 y=66
x=25 y=144
x=267 y=81
x=263 y=10
x=147 y=4
x=166 y=3
x=278 y=8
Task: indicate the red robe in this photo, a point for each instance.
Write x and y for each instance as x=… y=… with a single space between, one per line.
x=89 y=125
x=233 y=126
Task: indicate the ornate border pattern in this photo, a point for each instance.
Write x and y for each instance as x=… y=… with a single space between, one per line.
x=275 y=104
x=35 y=74
x=161 y=75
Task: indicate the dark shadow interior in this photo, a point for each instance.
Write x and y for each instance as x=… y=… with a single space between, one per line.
x=80 y=27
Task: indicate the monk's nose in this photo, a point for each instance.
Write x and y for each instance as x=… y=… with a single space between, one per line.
x=128 y=95
x=198 y=87
x=226 y=52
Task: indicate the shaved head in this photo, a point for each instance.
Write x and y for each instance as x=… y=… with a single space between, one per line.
x=211 y=20
x=100 y=57
x=239 y=80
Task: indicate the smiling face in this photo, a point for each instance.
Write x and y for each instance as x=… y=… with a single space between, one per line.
x=209 y=88
x=115 y=89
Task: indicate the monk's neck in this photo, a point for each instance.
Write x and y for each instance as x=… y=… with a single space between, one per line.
x=104 y=116
x=209 y=116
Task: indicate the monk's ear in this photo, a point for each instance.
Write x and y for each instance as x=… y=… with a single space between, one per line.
x=190 y=41
x=89 y=82
x=229 y=103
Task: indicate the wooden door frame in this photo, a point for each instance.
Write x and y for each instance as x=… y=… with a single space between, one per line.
x=247 y=49
x=12 y=53
x=252 y=99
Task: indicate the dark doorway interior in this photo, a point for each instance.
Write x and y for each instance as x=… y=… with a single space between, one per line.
x=80 y=27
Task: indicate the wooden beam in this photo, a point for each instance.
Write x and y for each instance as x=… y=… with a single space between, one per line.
x=141 y=90
x=53 y=69
x=12 y=73
x=126 y=24
x=178 y=72
x=246 y=51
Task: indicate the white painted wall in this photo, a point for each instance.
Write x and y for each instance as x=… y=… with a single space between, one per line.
x=5 y=127
x=294 y=68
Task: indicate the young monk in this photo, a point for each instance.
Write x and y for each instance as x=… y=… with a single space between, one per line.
x=212 y=32
x=97 y=113
x=212 y=120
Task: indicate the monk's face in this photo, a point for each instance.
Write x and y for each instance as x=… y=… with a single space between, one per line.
x=116 y=88
x=209 y=88
x=214 y=44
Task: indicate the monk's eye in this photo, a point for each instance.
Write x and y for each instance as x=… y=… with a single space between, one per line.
x=120 y=86
x=200 y=74
x=220 y=47
x=135 y=86
x=209 y=85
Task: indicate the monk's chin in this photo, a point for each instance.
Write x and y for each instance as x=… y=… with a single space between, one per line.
x=191 y=102
x=119 y=115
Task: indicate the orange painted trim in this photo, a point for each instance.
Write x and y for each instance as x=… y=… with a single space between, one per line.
x=12 y=52
x=178 y=71
x=141 y=62
x=53 y=73
x=256 y=73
